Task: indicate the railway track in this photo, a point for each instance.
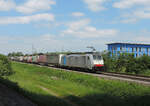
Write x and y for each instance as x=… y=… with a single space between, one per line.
x=145 y=80
x=136 y=77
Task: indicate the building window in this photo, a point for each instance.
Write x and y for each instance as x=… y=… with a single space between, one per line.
x=124 y=49
x=120 y=48
x=132 y=49
x=143 y=49
x=140 y=49
x=147 y=50
x=136 y=49
x=128 y=49
x=115 y=48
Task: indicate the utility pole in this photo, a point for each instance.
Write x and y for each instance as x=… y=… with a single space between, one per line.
x=62 y=49
x=33 y=49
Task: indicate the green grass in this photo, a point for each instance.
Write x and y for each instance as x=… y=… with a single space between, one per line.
x=49 y=87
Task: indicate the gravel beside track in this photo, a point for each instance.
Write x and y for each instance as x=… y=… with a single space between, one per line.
x=8 y=97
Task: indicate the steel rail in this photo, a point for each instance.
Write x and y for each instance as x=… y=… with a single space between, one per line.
x=130 y=76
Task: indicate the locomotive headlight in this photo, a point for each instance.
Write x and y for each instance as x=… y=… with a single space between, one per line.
x=99 y=65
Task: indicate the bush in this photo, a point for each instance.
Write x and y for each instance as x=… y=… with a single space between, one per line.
x=132 y=65
x=138 y=65
x=144 y=63
x=127 y=63
x=109 y=62
x=121 y=62
x=5 y=66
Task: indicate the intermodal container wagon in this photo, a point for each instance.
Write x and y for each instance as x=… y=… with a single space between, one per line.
x=29 y=59
x=42 y=59
x=35 y=59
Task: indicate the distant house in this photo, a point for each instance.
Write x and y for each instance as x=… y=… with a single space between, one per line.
x=137 y=49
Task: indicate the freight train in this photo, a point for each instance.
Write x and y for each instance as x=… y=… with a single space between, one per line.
x=91 y=61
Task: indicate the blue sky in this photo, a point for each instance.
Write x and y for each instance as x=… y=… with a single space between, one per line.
x=71 y=25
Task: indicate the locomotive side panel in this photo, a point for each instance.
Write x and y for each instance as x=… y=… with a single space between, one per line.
x=63 y=61
x=76 y=61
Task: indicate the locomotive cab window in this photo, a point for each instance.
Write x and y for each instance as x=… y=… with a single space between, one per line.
x=96 y=57
x=99 y=57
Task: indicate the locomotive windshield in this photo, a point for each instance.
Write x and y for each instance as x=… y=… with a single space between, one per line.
x=97 y=57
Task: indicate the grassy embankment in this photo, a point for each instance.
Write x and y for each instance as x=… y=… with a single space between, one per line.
x=49 y=87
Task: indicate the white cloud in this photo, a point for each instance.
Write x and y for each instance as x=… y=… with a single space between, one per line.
x=130 y=3
x=45 y=43
x=27 y=7
x=145 y=13
x=143 y=36
x=136 y=36
x=82 y=29
x=24 y=44
x=136 y=15
x=46 y=37
x=78 y=24
x=35 y=5
x=143 y=39
x=77 y=14
x=95 y=5
x=129 y=20
x=6 y=5
x=135 y=10
x=26 y=19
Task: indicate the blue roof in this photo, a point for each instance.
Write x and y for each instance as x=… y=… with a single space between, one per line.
x=128 y=44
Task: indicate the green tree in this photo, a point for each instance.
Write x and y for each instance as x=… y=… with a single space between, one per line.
x=121 y=62
x=109 y=62
x=15 y=54
x=5 y=66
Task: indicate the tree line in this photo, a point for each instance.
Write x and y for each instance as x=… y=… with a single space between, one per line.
x=127 y=63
